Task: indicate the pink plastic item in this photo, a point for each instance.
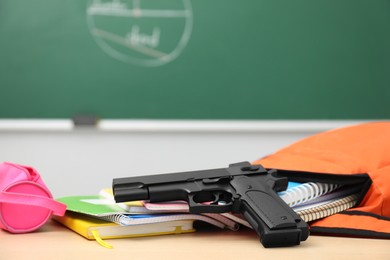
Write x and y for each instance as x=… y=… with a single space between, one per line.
x=25 y=202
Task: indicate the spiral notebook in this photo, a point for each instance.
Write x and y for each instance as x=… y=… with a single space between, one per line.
x=108 y=210
x=312 y=201
x=97 y=218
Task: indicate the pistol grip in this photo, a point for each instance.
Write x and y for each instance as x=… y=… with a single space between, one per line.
x=276 y=230
x=275 y=222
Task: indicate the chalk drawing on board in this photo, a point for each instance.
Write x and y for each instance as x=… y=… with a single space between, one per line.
x=141 y=32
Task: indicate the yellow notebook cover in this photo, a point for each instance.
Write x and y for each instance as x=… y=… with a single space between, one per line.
x=97 y=229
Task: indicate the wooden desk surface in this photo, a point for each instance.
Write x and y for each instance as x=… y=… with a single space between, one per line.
x=54 y=241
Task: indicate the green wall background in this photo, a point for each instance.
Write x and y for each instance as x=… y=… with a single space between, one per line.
x=252 y=59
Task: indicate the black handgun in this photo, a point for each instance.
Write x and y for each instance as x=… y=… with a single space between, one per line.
x=240 y=188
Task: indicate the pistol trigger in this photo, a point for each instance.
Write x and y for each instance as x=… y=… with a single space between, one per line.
x=216 y=198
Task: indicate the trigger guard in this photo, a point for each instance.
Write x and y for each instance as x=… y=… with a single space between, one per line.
x=197 y=208
x=191 y=201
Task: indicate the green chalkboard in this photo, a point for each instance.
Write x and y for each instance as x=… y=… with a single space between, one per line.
x=200 y=59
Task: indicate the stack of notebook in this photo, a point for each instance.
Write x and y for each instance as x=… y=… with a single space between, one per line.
x=99 y=217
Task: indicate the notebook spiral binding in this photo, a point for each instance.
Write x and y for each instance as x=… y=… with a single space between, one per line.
x=326 y=210
x=306 y=192
x=116 y=218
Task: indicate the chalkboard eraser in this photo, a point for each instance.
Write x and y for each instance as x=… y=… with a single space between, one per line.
x=85 y=120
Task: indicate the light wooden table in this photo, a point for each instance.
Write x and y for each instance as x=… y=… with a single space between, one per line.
x=54 y=241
